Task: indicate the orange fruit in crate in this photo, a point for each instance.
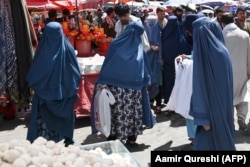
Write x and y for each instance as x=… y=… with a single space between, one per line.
x=88 y=37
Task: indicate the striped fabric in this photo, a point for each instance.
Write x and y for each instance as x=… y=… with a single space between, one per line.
x=10 y=51
x=2 y=50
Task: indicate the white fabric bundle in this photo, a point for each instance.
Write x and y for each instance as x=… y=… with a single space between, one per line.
x=180 y=97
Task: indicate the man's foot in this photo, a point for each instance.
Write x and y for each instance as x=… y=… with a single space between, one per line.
x=242 y=125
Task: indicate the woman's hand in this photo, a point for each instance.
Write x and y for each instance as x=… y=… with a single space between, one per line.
x=154 y=48
x=207 y=127
x=181 y=57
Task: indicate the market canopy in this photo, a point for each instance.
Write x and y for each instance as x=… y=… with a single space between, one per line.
x=48 y=4
x=70 y=4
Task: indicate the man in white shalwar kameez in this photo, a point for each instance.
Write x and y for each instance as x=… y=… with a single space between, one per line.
x=238 y=43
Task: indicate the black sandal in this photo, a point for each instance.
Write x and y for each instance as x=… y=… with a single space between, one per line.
x=168 y=113
x=157 y=110
x=131 y=143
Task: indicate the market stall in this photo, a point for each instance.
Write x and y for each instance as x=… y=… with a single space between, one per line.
x=90 y=68
x=90 y=62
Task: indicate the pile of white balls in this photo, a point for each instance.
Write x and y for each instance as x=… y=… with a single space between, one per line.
x=43 y=153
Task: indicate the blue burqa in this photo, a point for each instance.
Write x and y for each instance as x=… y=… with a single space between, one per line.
x=126 y=66
x=154 y=34
x=173 y=44
x=54 y=76
x=212 y=98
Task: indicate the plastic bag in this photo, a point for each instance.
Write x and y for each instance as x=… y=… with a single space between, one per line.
x=103 y=100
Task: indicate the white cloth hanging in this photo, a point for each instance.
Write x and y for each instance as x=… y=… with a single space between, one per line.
x=180 y=97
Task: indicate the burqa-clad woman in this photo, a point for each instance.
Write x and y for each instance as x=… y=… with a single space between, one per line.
x=212 y=98
x=154 y=33
x=173 y=44
x=125 y=72
x=54 y=76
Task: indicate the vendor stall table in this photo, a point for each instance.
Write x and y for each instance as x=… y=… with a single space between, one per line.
x=85 y=93
x=89 y=68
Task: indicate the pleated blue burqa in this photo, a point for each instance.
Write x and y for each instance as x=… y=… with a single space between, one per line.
x=126 y=66
x=173 y=44
x=54 y=76
x=212 y=98
x=154 y=34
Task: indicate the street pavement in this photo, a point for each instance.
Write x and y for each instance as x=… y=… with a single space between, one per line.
x=168 y=134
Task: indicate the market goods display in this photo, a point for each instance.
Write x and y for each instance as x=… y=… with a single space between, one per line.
x=43 y=153
x=90 y=65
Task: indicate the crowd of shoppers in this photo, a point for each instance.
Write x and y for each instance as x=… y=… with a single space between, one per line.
x=139 y=70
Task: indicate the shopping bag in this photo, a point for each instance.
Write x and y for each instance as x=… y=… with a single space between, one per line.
x=102 y=101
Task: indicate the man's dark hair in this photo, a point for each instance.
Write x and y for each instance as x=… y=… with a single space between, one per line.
x=240 y=9
x=218 y=9
x=122 y=9
x=227 y=18
x=66 y=12
x=109 y=10
x=52 y=13
x=179 y=9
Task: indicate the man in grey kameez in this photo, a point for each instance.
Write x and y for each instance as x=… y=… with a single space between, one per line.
x=238 y=43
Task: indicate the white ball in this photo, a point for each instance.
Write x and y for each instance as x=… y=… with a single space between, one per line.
x=19 y=162
x=27 y=158
x=40 y=141
x=4 y=147
x=36 y=161
x=10 y=155
x=58 y=164
x=50 y=144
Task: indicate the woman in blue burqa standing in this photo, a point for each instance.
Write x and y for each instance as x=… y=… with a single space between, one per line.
x=126 y=74
x=212 y=98
x=173 y=44
x=54 y=76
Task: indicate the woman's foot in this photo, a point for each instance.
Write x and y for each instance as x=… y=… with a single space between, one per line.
x=111 y=137
x=68 y=141
x=131 y=143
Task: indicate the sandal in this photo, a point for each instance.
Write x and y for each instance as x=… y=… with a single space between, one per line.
x=168 y=113
x=157 y=110
x=132 y=144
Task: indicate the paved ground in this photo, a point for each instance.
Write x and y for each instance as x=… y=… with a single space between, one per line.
x=168 y=134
